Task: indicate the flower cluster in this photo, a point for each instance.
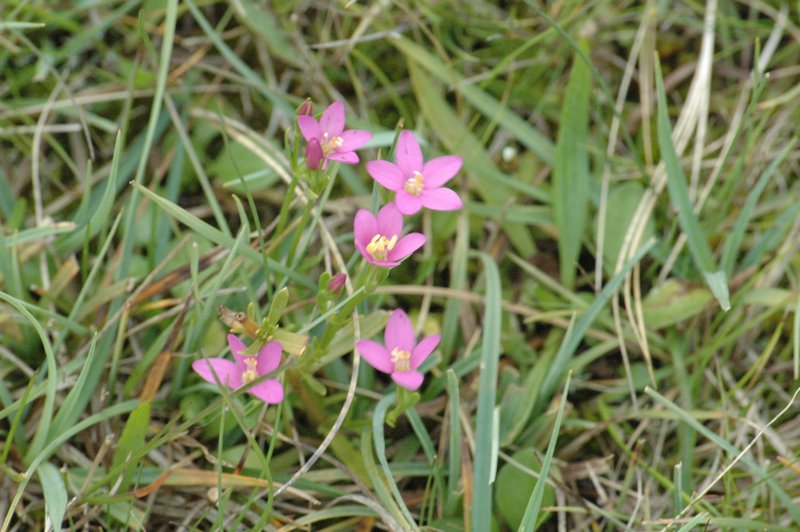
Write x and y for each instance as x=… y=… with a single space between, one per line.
x=378 y=238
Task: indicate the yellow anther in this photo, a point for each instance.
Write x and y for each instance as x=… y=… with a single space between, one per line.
x=401 y=359
x=329 y=145
x=415 y=186
x=380 y=246
x=249 y=376
x=251 y=362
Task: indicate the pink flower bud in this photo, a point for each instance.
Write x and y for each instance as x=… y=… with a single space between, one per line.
x=306 y=109
x=314 y=154
x=336 y=283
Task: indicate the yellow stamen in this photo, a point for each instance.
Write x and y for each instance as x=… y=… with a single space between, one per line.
x=249 y=375
x=401 y=359
x=329 y=145
x=380 y=246
x=415 y=186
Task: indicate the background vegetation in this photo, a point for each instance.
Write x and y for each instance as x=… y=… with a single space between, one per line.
x=632 y=225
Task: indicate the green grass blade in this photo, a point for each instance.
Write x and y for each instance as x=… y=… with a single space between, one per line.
x=454 y=450
x=483 y=102
x=78 y=397
x=52 y=445
x=379 y=443
x=534 y=503
x=55 y=494
x=733 y=241
x=487 y=392
x=571 y=180
x=42 y=430
x=575 y=334
x=131 y=220
x=213 y=234
x=679 y=194
x=686 y=417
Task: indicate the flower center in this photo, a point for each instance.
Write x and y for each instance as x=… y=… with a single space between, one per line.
x=414 y=185
x=329 y=145
x=380 y=246
x=249 y=375
x=401 y=359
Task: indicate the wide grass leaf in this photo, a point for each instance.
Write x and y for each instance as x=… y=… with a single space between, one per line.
x=571 y=180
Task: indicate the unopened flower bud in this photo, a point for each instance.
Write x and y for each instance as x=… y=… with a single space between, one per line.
x=306 y=109
x=336 y=283
x=314 y=154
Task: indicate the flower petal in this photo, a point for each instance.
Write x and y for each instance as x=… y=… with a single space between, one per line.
x=270 y=391
x=309 y=127
x=410 y=380
x=346 y=157
x=408 y=155
x=399 y=333
x=441 y=199
x=353 y=139
x=365 y=226
x=440 y=170
x=226 y=372
x=406 y=203
x=332 y=120
x=269 y=358
x=237 y=346
x=390 y=221
x=407 y=245
x=376 y=355
x=424 y=348
x=387 y=174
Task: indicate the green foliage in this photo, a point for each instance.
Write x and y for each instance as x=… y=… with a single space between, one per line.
x=151 y=178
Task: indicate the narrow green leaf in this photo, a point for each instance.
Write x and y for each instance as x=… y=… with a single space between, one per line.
x=454 y=450
x=80 y=394
x=571 y=180
x=758 y=471
x=378 y=421
x=534 y=503
x=679 y=194
x=213 y=234
x=46 y=414
x=487 y=392
x=55 y=494
x=483 y=102
x=131 y=440
x=52 y=445
x=575 y=334
x=733 y=240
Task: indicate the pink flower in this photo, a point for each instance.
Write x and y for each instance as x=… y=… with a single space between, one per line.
x=336 y=143
x=416 y=183
x=401 y=355
x=246 y=369
x=378 y=238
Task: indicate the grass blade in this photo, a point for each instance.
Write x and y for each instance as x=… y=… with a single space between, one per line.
x=571 y=181
x=378 y=419
x=487 y=392
x=679 y=194
x=534 y=503
x=55 y=494
x=762 y=475
x=575 y=334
